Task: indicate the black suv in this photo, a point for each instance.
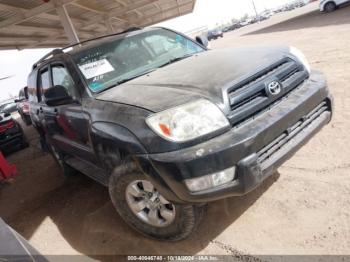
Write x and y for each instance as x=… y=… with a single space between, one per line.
x=168 y=125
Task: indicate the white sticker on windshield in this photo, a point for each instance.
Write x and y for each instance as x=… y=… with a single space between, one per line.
x=96 y=68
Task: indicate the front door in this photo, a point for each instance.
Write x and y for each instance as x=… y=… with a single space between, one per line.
x=66 y=125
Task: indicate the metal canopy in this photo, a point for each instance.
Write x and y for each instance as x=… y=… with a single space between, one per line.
x=56 y=23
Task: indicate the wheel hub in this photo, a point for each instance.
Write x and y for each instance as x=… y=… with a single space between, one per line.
x=148 y=204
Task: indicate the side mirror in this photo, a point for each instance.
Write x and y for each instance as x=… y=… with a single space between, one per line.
x=57 y=95
x=203 y=40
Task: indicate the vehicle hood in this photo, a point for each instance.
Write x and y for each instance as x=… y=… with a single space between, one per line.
x=204 y=75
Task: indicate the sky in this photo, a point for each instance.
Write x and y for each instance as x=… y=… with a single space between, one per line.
x=206 y=13
x=212 y=12
x=17 y=64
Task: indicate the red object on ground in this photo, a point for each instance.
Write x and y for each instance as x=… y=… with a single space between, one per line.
x=7 y=170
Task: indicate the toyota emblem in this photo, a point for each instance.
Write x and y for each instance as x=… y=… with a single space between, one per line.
x=274 y=88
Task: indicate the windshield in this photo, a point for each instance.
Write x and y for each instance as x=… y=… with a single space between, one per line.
x=110 y=63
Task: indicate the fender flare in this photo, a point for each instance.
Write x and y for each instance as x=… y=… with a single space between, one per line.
x=125 y=147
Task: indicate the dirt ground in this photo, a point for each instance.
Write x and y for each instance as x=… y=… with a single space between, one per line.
x=302 y=209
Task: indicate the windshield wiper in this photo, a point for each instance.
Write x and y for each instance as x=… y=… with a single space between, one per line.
x=135 y=76
x=129 y=79
x=173 y=60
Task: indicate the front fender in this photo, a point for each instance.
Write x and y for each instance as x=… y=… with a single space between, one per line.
x=111 y=142
x=116 y=145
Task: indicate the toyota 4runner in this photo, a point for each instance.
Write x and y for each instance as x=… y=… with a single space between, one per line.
x=168 y=125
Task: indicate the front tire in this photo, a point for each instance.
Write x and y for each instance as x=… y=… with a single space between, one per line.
x=330 y=7
x=141 y=206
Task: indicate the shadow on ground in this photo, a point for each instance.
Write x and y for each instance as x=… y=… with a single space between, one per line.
x=85 y=217
x=309 y=20
x=81 y=211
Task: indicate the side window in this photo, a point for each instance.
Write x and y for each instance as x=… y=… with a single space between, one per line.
x=25 y=92
x=21 y=94
x=32 y=87
x=43 y=81
x=61 y=76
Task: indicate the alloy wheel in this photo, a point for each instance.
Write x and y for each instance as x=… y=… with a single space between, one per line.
x=148 y=204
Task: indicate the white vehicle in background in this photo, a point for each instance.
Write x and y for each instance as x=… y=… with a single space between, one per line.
x=247 y=21
x=331 y=5
x=267 y=14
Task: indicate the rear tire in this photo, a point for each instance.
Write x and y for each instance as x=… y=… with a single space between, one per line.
x=181 y=223
x=330 y=7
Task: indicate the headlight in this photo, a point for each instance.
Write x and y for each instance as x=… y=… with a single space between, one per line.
x=188 y=121
x=210 y=181
x=299 y=55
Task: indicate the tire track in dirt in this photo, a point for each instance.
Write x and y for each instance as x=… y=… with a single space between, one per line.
x=236 y=255
x=322 y=170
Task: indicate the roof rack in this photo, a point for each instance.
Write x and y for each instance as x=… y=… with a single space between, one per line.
x=60 y=50
x=52 y=53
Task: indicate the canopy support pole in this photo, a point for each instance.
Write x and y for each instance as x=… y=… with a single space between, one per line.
x=67 y=24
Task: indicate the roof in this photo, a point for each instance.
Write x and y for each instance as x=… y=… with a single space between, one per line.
x=36 y=23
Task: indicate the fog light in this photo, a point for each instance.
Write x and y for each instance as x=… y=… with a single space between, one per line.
x=212 y=180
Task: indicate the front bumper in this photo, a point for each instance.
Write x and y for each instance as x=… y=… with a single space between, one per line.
x=257 y=148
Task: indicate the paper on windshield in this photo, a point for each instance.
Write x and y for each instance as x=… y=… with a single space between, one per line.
x=96 y=68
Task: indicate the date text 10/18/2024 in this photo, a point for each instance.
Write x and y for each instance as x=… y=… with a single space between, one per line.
x=172 y=258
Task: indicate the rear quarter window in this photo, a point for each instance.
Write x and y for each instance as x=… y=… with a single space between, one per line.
x=21 y=94
x=32 y=87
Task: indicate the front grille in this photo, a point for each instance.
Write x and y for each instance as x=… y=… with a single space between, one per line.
x=250 y=96
x=276 y=145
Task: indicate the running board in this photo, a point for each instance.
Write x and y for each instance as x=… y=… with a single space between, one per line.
x=92 y=171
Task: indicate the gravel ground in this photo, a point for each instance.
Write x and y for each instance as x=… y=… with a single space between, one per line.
x=302 y=209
